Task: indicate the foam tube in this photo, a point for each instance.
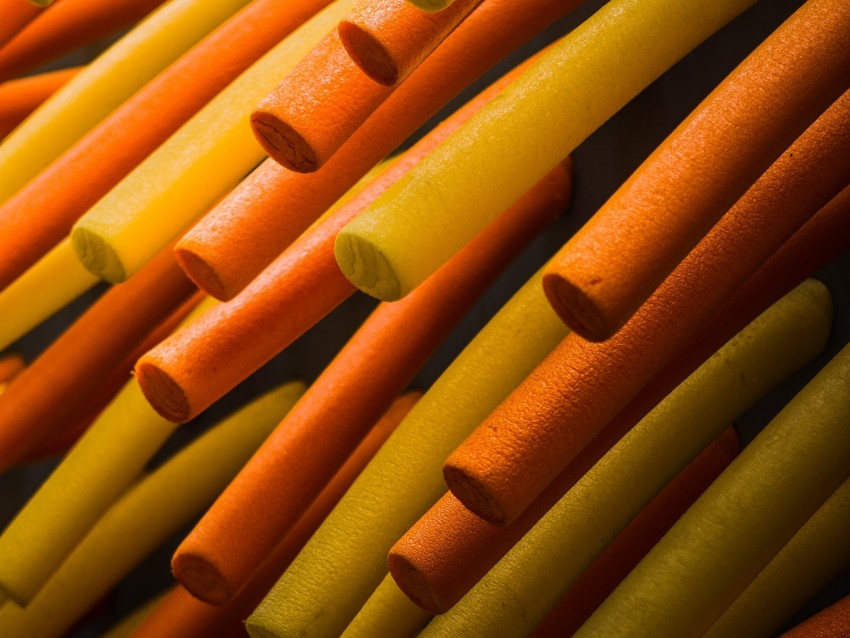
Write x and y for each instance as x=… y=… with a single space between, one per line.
x=204 y=159
x=388 y=613
x=109 y=456
x=145 y=516
x=574 y=87
x=345 y=560
x=519 y=591
x=113 y=77
x=746 y=516
x=816 y=555
x=46 y=287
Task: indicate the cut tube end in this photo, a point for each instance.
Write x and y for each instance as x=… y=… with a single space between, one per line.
x=97 y=255
x=201 y=578
x=365 y=266
x=414 y=583
x=203 y=274
x=577 y=309
x=163 y=393
x=256 y=630
x=368 y=53
x=283 y=143
x=474 y=495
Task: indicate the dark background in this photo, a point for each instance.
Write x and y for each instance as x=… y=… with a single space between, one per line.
x=602 y=163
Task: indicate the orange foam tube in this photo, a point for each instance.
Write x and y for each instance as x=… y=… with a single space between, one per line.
x=292 y=294
x=180 y=614
x=832 y=622
x=450 y=572
x=534 y=434
x=17 y=14
x=19 y=98
x=316 y=108
x=78 y=420
x=64 y=27
x=40 y=215
x=388 y=39
x=85 y=355
x=287 y=472
x=609 y=268
x=251 y=227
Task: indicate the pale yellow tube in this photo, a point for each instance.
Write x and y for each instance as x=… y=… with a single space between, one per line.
x=49 y=285
x=104 y=462
x=817 y=554
x=388 y=613
x=184 y=177
x=104 y=84
x=344 y=562
x=739 y=523
x=519 y=591
x=576 y=85
x=146 y=515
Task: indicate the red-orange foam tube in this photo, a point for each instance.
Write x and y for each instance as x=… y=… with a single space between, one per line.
x=535 y=433
x=612 y=265
x=388 y=39
x=451 y=571
x=73 y=368
x=180 y=614
x=19 y=98
x=16 y=15
x=316 y=108
x=233 y=243
x=292 y=294
x=832 y=622
x=291 y=467
x=612 y=566
x=64 y=27
x=40 y=214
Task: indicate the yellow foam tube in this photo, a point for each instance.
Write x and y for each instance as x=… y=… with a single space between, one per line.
x=107 y=458
x=816 y=555
x=736 y=527
x=443 y=202
x=104 y=84
x=184 y=177
x=388 y=613
x=49 y=285
x=431 y=5
x=519 y=591
x=146 y=515
x=344 y=562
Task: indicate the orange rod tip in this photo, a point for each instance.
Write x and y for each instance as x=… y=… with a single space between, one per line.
x=367 y=52
x=202 y=273
x=163 y=393
x=283 y=143
x=201 y=578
